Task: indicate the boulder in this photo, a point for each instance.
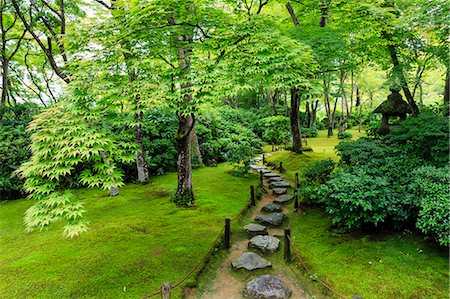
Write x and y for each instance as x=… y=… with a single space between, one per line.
x=272 y=219
x=266 y=244
x=279 y=191
x=254 y=229
x=280 y=184
x=283 y=199
x=267 y=287
x=251 y=261
x=272 y=207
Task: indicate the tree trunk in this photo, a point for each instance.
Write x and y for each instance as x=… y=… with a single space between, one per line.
x=141 y=163
x=5 y=82
x=195 y=146
x=292 y=13
x=330 y=114
x=324 y=14
x=295 y=129
x=308 y=115
x=314 y=107
x=184 y=192
x=446 y=94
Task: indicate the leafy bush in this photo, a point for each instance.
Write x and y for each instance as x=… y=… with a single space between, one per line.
x=431 y=186
x=362 y=151
x=310 y=132
x=276 y=129
x=14 y=147
x=357 y=199
x=345 y=135
x=426 y=136
x=318 y=172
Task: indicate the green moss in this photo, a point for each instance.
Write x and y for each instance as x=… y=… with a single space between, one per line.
x=393 y=265
x=136 y=241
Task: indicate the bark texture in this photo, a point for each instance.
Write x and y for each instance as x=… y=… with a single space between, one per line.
x=295 y=129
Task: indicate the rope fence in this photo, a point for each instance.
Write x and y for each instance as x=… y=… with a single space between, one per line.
x=167 y=287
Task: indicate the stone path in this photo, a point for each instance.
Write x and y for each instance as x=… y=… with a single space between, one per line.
x=264 y=239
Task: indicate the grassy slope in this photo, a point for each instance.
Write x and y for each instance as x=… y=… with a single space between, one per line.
x=393 y=266
x=136 y=241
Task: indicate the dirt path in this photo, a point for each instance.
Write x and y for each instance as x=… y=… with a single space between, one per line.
x=226 y=286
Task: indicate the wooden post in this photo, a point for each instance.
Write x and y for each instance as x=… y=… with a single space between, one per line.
x=252 y=195
x=226 y=237
x=281 y=166
x=261 y=182
x=297 y=184
x=287 y=244
x=295 y=200
x=165 y=290
x=264 y=159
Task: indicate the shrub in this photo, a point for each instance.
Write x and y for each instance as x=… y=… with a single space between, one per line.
x=276 y=129
x=425 y=136
x=310 y=132
x=357 y=199
x=430 y=186
x=14 y=147
x=345 y=135
x=318 y=172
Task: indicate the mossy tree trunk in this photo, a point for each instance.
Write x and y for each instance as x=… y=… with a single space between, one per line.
x=295 y=129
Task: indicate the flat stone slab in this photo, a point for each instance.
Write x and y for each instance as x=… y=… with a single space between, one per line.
x=279 y=191
x=266 y=244
x=251 y=261
x=283 y=199
x=257 y=167
x=274 y=179
x=272 y=219
x=272 y=207
x=270 y=174
x=267 y=287
x=254 y=229
x=280 y=184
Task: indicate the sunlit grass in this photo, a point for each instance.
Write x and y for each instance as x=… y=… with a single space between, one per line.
x=135 y=243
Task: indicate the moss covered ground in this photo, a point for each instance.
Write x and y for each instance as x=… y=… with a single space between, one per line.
x=384 y=265
x=136 y=241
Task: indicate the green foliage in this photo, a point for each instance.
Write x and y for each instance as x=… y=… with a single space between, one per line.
x=14 y=147
x=310 y=132
x=276 y=129
x=426 y=136
x=345 y=135
x=357 y=199
x=62 y=140
x=318 y=172
x=430 y=186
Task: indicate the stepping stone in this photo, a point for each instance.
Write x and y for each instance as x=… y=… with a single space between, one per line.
x=279 y=191
x=280 y=184
x=270 y=175
x=251 y=261
x=254 y=229
x=283 y=199
x=266 y=244
x=272 y=207
x=274 y=179
x=258 y=168
x=272 y=219
x=267 y=287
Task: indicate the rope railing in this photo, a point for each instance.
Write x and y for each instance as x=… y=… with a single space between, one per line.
x=204 y=258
